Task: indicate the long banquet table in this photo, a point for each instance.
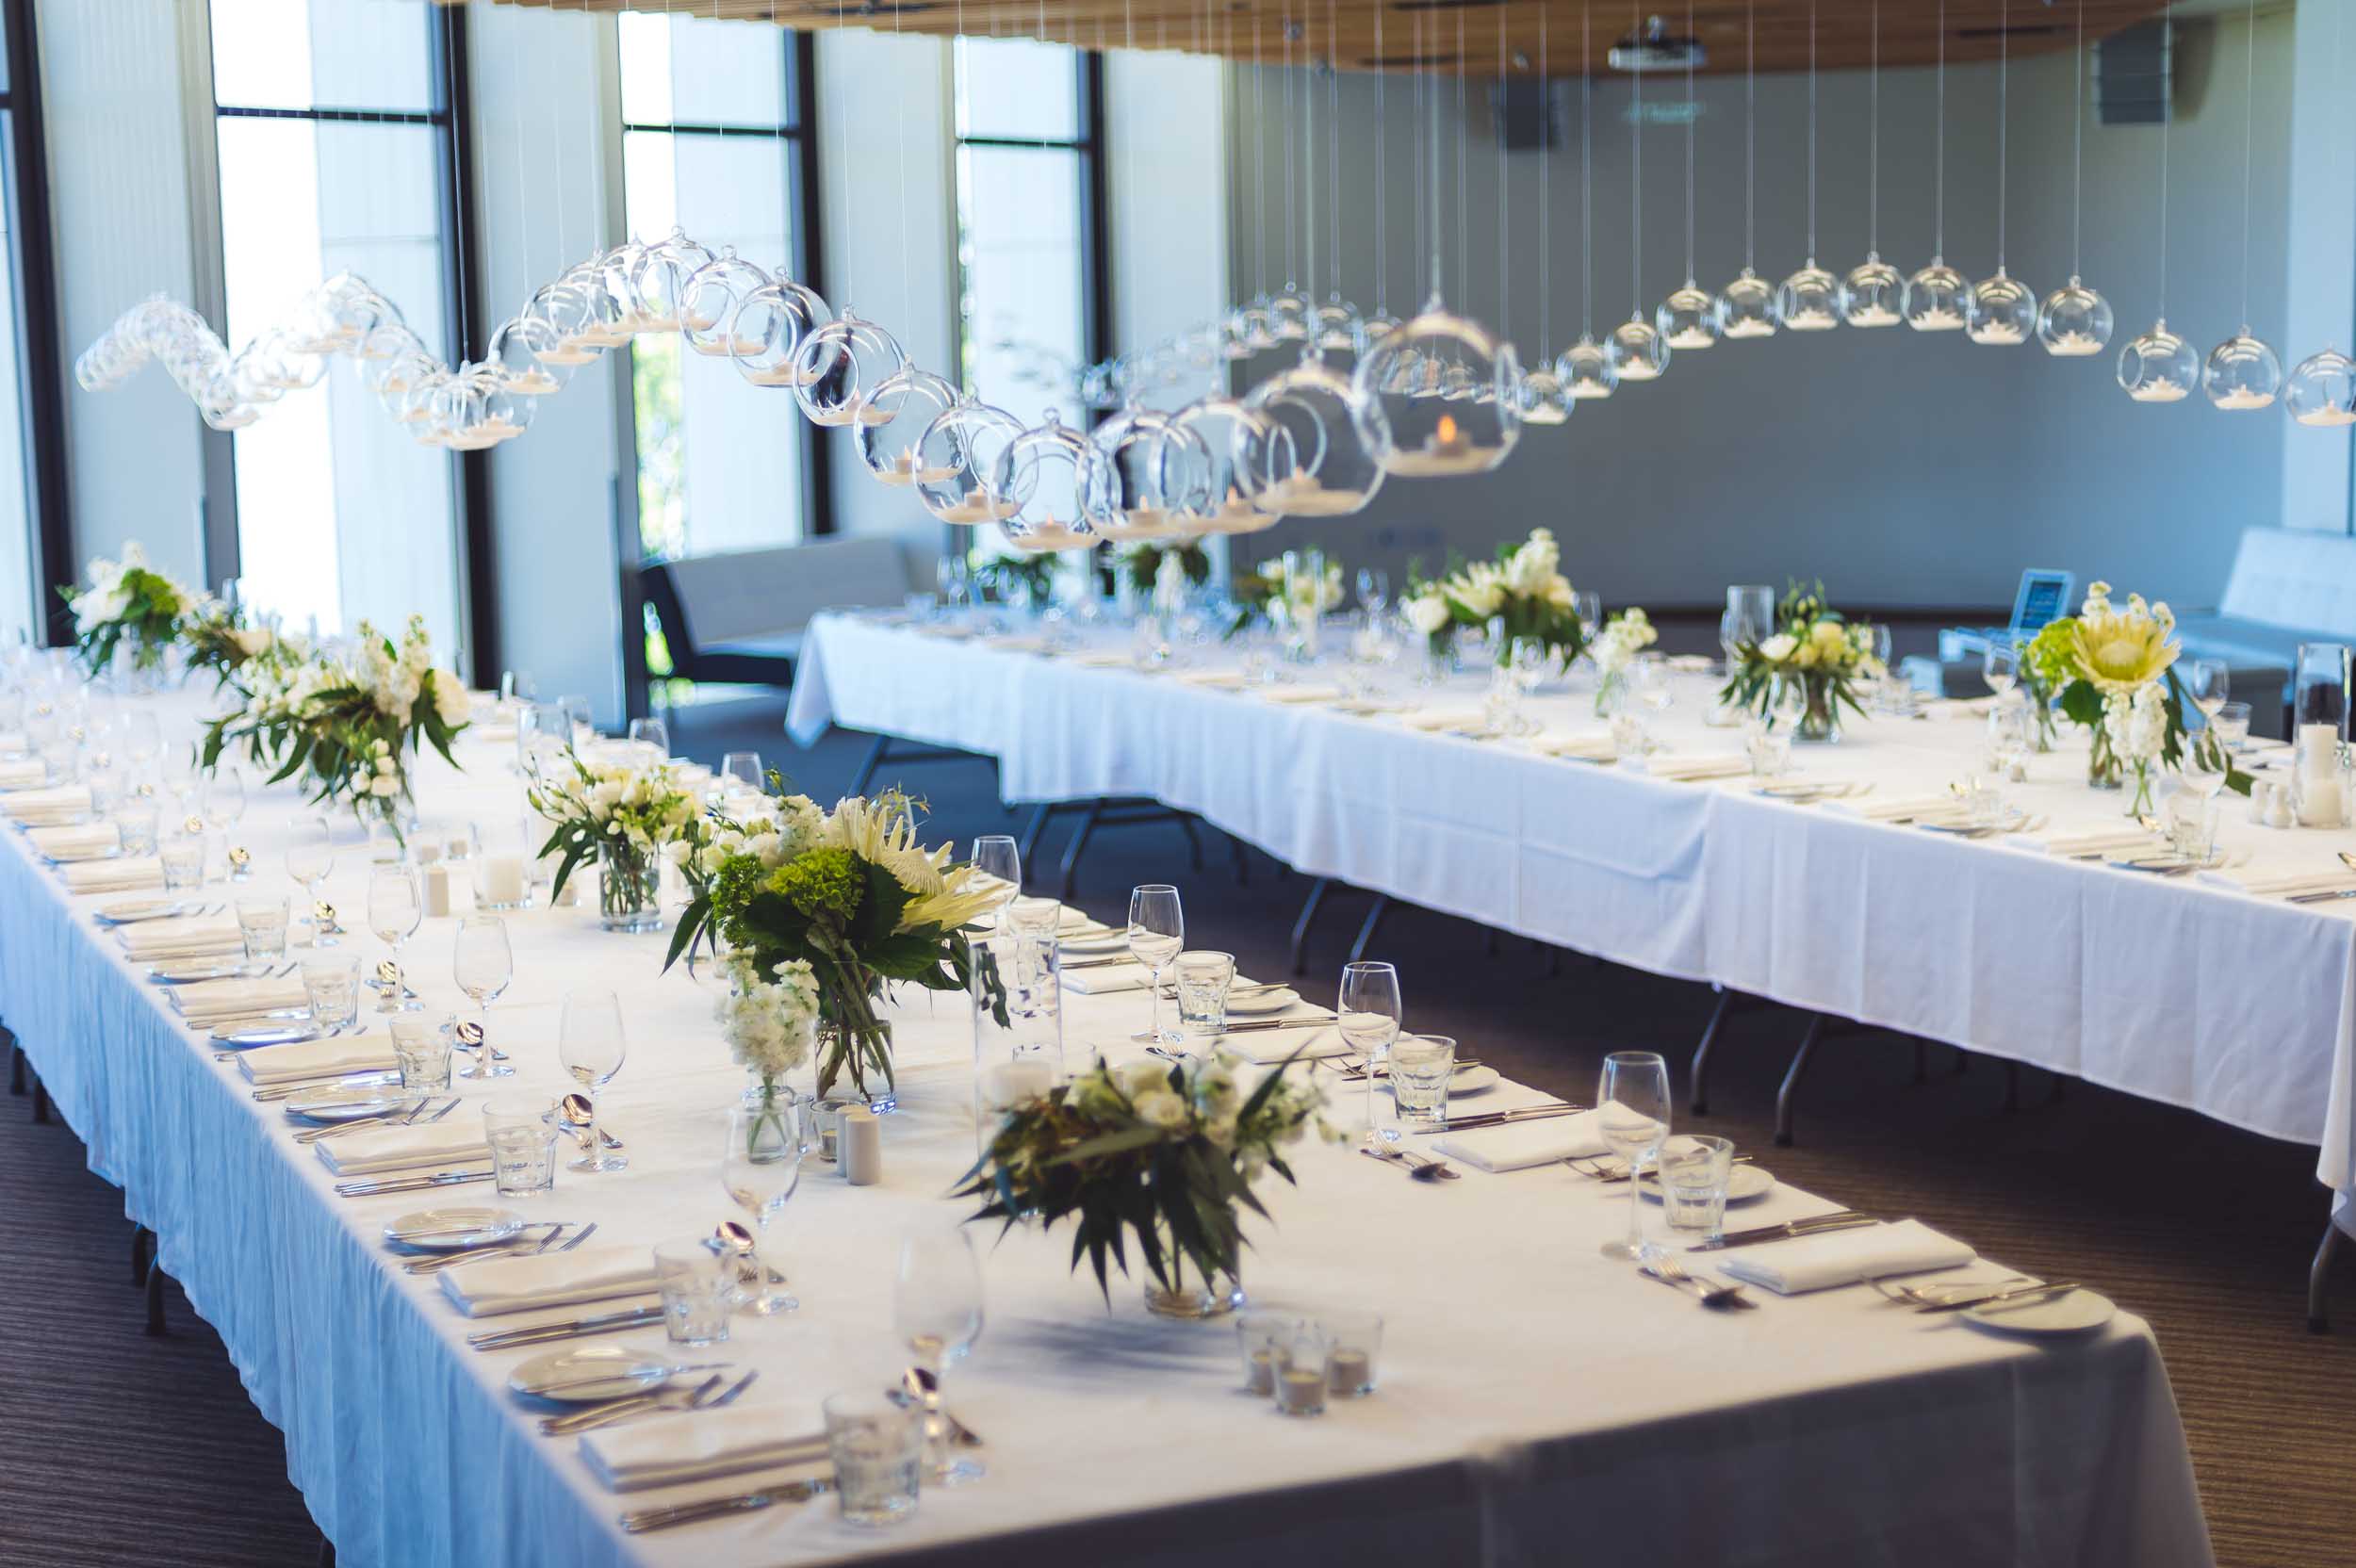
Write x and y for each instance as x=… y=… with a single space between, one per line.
x=1532 y=1391
x=2172 y=989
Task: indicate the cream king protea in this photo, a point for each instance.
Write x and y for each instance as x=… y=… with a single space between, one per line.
x=2108 y=665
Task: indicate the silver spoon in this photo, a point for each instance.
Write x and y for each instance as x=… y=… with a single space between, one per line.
x=575 y=1111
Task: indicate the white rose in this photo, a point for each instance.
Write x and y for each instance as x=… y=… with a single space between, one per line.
x=449 y=698
x=1777 y=648
x=1162 y=1109
x=1426 y=613
x=385 y=786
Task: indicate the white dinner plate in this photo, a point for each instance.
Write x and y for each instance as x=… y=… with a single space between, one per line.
x=1475 y=1079
x=182 y=975
x=2010 y=821
x=2077 y=1311
x=1092 y=946
x=1744 y=1184
x=122 y=911
x=342 y=1102
x=450 y=1230
x=591 y=1375
x=1249 y=1002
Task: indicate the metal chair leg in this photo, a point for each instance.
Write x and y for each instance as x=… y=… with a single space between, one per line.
x=1308 y=917
x=327 y=1553
x=1241 y=858
x=866 y=774
x=2319 y=1280
x=155 y=1299
x=1792 y=1080
x=1194 y=841
x=2012 y=1086
x=1698 y=1079
x=16 y=1067
x=142 y=1253
x=1079 y=843
x=1031 y=834
x=1373 y=924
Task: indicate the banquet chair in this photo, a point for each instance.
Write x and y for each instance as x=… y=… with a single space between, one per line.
x=737 y=616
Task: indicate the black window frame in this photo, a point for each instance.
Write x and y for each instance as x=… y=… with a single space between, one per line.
x=41 y=375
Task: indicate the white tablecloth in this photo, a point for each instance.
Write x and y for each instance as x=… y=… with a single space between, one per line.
x=2241 y=1007
x=1525 y=1380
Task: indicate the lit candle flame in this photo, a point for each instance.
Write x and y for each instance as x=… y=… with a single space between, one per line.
x=1447 y=431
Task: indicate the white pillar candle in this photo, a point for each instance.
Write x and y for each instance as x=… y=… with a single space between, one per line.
x=501 y=880
x=861 y=1146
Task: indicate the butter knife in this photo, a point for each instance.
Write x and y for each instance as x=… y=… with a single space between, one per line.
x=612 y=1322
x=351 y=1080
x=639 y=1521
x=1847 y=1220
x=1501 y=1119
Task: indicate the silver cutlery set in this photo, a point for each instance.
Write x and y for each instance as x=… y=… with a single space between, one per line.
x=518 y=1247
x=415 y=1115
x=711 y=1393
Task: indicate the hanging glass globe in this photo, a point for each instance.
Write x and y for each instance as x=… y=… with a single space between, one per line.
x=1288 y=316
x=1875 y=293
x=1245 y=455
x=767 y=328
x=839 y=365
x=2073 y=321
x=566 y=308
x=1746 y=307
x=2241 y=373
x=908 y=400
x=1585 y=371
x=708 y=298
x=2321 y=391
x=1687 y=318
x=1934 y=297
x=1811 y=299
x=1458 y=411
x=1336 y=326
x=1060 y=483
x=1330 y=472
x=384 y=340
x=1545 y=399
x=957 y=463
x=1252 y=326
x=1155 y=469
x=514 y=349
x=494 y=413
x=658 y=279
x=607 y=277
x=2158 y=366
x=1637 y=352
x=1999 y=311
x=1374 y=329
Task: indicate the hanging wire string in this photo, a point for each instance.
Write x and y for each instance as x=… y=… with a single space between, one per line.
x=2004 y=119
x=2248 y=59
x=2078 y=143
x=1938 y=157
x=1545 y=193
x=1463 y=234
x=842 y=150
x=1750 y=136
x=1505 y=231
x=1690 y=118
x=1432 y=94
x=1811 y=132
x=1586 y=183
x=1284 y=27
x=459 y=242
x=1636 y=182
x=1416 y=163
x=2168 y=116
x=523 y=208
x=1309 y=178
x=1873 y=135
x=1259 y=172
x=900 y=148
x=1382 y=141
x=1334 y=146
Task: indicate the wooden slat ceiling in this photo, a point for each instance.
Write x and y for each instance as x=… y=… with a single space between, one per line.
x=1256 y=29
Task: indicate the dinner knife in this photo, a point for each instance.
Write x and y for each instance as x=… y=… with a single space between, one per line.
x=338 y=1080
x=612 y=1322
x=2323 y=897
x=1846 y=1220
x=639 y=1521
x=410 y=1184
x=1261 y=1025
x=1501 y=1119
x=2017 y=1295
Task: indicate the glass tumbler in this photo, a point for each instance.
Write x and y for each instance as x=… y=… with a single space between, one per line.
x=183 y=860
x=262 y=922
x=521 y=1133
x=1353 y=1343
x=1694 y=1170
x=334 y=987
x=1203 y=980
x=136 y=824
x=698 y=1285
x=877 y=1446
x=424 y=1050
x=1421 y=1066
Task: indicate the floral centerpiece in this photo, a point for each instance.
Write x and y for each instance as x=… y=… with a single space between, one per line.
x=1524 y=589
x=219 y=638
x=1166 y=1152
x=851 y=893
x=769 y=1020
x=1813 y=650
x=1267 y=595
x=126 y=602
x=626 y=816
x=1615 y=647
x=1141 y=561
x=1026 y=577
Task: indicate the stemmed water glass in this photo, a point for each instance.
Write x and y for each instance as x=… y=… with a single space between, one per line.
x=224 y=804
x=309 y=860
x=1158 y=929
x=744 y=767
x=589 y=1045
x=937 y=1307
x=579 y=727
x=2207 y=684
x=2001 y=664
x=760 y=1169
x=1749 y=619
x=483 y=964
x=1632 y=1115
x=997 y=855
x=1369 y=1013
x=654 y=733
x=395 y=908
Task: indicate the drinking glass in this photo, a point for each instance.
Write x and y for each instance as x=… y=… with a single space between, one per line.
x=310 y=856
x=518 y=686
x=579 y=727
x=143 y=740
x=396 y=904
x=1770 y=751
x=183 y=857
x=424 y=1050
x=1301 y=1386
x=262 y=923
x=1368 y=1014
x=2206 y=683
x=483 y=964
x=2011 y=738
x=697 y=1287
x=1587 y=606
x=1749 y=619
x=760 y=1169
x=1374 y=591
x=1632 y=1111
x=878 y=1446
x=1693 y=1175
x=589 y=1045
x=225 y=798
x=2001 y=665
x=135 y=825
x=1421 y=1066
x=333 y=985
x=540 y=726
x=2232 y=724
x=652 y=732
x=997 y=855
x=937 y=1308
x=1203 y=980
x=1353 y=1342
x=520 y=1131
x=1158 y=929
x=744 y=767
x=2202 y=771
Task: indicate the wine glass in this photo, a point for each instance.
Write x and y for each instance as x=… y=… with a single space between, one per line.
x=224 y=804
x=589 y=1045
x=652 y=732
x=759 y=1167
x=1374 y=591
x=997 y=855
x=579 y=727
x=143 y=740
x=483 y=964
x=744 y=767
x=396 y=904
x=1158 y=929
x=1632 y=1115
x=2206 y=683
x=2202 y=772
x=937 y=1308
x=2001 y=664
x=1369 y=1014
x=310 y=856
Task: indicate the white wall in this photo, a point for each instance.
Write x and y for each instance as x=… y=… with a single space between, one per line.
x=2321 y=286
x=1168 y=144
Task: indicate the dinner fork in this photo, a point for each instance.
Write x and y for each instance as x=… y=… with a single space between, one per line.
x=1670 y=1272
x=522 y=1248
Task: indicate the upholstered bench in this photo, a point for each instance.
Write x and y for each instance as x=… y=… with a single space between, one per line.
x=738 y=617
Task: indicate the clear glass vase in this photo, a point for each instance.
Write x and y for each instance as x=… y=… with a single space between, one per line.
x=1189 y=1295
x=629 y=890
x=862 y=1051
x=1820 y=713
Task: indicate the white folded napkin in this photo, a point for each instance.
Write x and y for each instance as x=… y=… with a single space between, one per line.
x=2108 y=840
x=329 y=1058
x=1844 y=1257
x=207 y=1000
x=1108 y=981
x=1103 y=661
x=1218 y=680
x=111 y=876
x=1686 y=770
x=699 y=1445
x=1267 y=1047
x=2280 y=885
x=81 y=841
x=550 y=1280
x=1518 y=1145
x=1887 y=810
x=1448 y=718
x=490 y=734
x=455 y=1142
x=1585 y=749
x=25 y=805
x=1692 y=663
x=179 y=936
x=1301 y=696
x=1015 y=644
x=20 y=774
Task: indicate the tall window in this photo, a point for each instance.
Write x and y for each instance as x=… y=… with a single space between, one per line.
x=22 y=589
x=714 y=144
x=333 y=125
x=1027 y=266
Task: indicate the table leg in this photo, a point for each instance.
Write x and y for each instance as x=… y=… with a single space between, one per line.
x=1308 y=917
x=16 y=1062
x=1374 y=923
x=155 y=1298
x=1031 y=833
x=1792 y=1080
x=2319 y=1280
x=1194 y=841
x=142 y=1253
x=866 y=774
x=1241 y=858
x=1080 y=836
x=40 y=1103
x=1696 y=1079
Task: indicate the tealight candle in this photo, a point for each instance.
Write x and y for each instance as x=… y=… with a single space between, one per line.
x=1301 y=1391
x=1260 y=1371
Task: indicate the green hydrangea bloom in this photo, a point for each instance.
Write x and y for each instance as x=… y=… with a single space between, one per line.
x=823 y=882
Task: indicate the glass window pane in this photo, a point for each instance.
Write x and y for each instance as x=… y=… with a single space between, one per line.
x=702 y=71
x=1025 y=275
x=20 y=594
x=1014 y=87
x=336 y=53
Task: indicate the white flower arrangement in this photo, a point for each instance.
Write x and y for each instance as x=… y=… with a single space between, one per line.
x=626 y=815
x=1524 y=587
x=126 y=601
x=1625 y=636
x=769 y=1023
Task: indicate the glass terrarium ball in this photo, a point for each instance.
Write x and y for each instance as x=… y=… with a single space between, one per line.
x=1810 y=299
x=1245 y=456
x=1637 y=352
x=964 y=447
x=1586 y=371
x=1328 y=471
x=909 y=399
x=1288 y=316
x=1934 y=299
x=1687 y=318
x=1334 y=327
x=1999 y=311
x=839 y=365
x=1876 y=293
x=1151 y=487
x=2073 y=321
x=1374 y=329
x=658 y=280
x=708 y=298
x=608 y=275
x=766 y=331
x=514 y=350
x=1061 y=485
x=495 y=413
x=2158 y=366
x=2321 y=391
x=563 y=307
x=1746 y=307
x=1253 y=326
x=2242 y=373
x=1545 y=399
x=1469 y=426
x=602 y=309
